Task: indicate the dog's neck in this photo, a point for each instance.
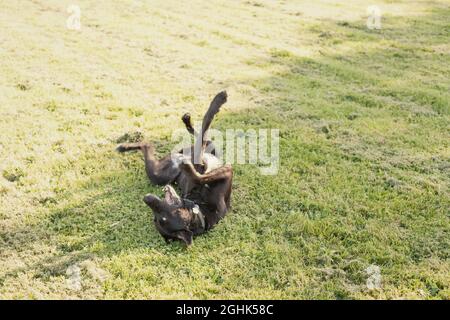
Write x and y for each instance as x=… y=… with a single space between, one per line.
x=198 y=223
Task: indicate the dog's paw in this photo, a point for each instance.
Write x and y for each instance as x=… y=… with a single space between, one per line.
x=222 y=96
x=121 y=148
x=186 y=118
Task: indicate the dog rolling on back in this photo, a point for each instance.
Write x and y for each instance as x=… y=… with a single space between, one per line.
x=204 y=183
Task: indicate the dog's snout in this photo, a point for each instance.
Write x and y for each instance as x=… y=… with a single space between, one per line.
x=148 y=198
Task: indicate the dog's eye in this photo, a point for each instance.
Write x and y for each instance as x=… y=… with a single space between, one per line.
x=163 y=220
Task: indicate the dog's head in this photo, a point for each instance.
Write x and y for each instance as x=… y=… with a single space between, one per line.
x=172 y=218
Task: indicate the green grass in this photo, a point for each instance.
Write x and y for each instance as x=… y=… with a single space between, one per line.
x=364 y=125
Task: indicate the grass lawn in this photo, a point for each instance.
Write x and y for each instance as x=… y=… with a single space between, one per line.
x=364 y=120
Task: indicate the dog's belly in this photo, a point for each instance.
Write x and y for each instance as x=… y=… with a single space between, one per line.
x=188 y=188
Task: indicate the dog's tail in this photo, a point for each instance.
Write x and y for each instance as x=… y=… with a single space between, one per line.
x=213 y=109
x=125 y=147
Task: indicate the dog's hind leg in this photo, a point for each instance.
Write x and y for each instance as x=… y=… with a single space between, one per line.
x=201 y=139
x=125 y=147
x=210 y=148
x=161 y=171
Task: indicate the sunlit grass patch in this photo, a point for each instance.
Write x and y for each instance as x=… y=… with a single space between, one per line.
x=364 y=148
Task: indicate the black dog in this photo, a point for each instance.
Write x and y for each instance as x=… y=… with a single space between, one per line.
x=205 y=184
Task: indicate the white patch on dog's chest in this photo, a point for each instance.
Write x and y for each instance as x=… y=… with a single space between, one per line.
x=212 y=162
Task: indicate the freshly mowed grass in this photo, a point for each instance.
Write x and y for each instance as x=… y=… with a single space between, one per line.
x=364 y=125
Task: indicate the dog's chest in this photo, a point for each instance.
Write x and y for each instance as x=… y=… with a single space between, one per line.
x=211 y=162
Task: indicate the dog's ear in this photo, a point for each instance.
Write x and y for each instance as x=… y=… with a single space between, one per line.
x=153 y=202
x=185 y=236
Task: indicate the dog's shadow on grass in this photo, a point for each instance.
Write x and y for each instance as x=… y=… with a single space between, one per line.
x=102 y=216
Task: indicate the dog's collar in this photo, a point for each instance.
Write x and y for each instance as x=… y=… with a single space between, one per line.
x=196 y=212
